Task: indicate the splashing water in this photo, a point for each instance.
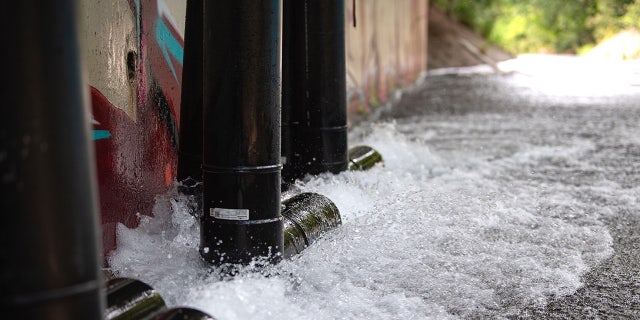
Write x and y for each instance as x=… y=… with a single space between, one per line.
x=422 y=237
x=465 y=219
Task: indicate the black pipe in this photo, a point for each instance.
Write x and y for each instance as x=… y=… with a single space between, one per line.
x=131 y=299
x=241 y=158
x=50 y=254
x=190 y=138
x=364 y=158
x=183 y=313
x=314 y=110
x=307 y=217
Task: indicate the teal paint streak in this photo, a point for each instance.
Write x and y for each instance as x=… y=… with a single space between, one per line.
x=101 y=134
x=169 y=45
x=138 y=24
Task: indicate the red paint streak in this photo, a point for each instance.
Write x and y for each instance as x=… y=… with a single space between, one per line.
x=138 y=161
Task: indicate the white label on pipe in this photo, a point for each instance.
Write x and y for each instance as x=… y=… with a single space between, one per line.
x=229 y=214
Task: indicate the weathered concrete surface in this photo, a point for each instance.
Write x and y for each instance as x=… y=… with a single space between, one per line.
x=600 y=117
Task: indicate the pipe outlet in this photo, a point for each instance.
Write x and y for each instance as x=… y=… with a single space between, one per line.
x=307 y=216
x=183 y=313
x=129 y=299
x=363 y=158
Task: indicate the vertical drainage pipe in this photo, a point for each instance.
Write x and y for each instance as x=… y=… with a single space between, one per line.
x=190 y=137
x=314 y=111
x=241 y=217
x=50 y=254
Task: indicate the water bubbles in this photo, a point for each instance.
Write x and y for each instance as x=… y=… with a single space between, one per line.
x=441 y=231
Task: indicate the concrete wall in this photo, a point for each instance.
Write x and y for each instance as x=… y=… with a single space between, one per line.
x=386 y=49
x=134 y=52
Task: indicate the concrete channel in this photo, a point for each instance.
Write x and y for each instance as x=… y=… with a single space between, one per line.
x=519 y=109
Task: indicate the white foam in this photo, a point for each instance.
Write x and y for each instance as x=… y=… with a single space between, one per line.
x=423 y=237
x=473 y=215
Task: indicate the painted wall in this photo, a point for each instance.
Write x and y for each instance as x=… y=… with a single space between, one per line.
x=134 y=52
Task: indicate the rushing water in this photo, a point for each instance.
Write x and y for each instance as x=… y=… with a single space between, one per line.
x=492 y=206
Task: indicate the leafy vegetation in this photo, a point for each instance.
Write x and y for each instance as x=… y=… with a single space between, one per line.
x=555 y=26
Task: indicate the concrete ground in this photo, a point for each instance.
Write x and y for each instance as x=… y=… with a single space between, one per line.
x=595 y=115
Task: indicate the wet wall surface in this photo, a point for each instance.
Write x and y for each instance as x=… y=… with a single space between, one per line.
x=506 y=111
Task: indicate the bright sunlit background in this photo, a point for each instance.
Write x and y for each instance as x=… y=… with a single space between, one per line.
x=552 y=26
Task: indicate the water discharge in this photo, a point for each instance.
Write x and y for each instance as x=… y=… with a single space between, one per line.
x=474 y=214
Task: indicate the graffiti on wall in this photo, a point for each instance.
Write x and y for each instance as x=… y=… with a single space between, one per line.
x=134 y=52
x=134 y=56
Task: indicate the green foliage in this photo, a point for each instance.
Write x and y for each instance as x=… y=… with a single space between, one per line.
x=610 y=17
x=559 y=26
